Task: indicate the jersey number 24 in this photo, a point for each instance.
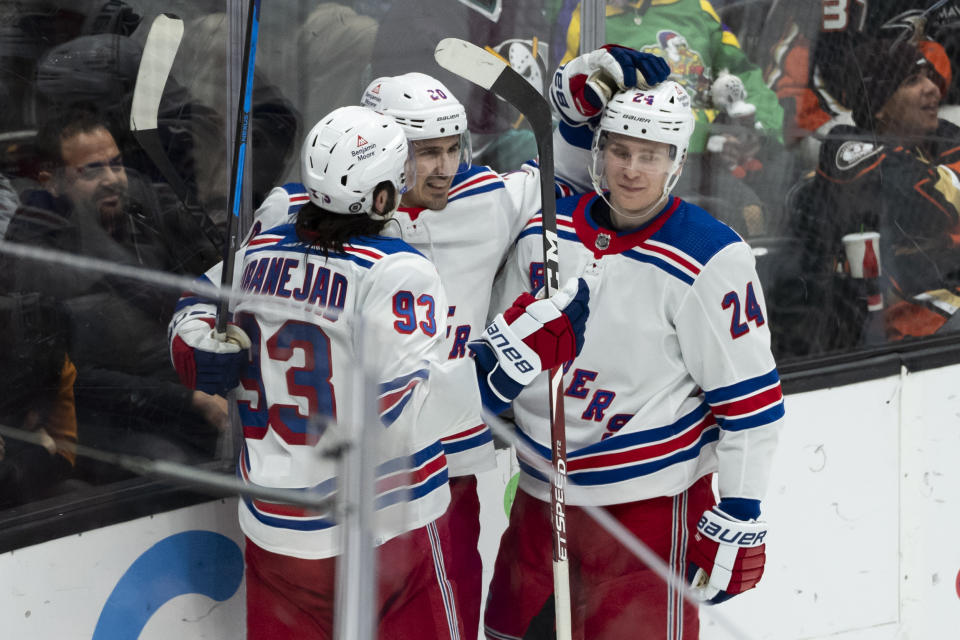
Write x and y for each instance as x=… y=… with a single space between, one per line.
x=754 y=312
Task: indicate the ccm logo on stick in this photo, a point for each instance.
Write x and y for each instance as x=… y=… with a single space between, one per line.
x=502 y=344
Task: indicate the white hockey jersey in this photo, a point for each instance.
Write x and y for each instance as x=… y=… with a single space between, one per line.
x=467 y=241
x=675 y=379
x=308 y=317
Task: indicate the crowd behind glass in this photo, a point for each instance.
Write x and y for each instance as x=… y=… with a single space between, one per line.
x=825 y=137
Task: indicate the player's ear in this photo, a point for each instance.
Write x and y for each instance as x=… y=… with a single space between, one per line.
x=384 y=199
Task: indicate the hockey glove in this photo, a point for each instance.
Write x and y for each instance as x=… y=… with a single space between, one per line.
x=205 y=362
x=726 y=556
x=533 y=335
x=582 y=87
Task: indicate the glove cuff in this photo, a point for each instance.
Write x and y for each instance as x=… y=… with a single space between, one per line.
x=740 y=508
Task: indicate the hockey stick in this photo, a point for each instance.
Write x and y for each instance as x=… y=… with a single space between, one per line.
x=239 y=159
x=488 y=70
x=159 y=50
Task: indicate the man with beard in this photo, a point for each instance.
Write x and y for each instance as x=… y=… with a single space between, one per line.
x=89 y=204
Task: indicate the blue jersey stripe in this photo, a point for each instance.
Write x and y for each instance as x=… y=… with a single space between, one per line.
x=528 y=469
x=743 y=388
x=661 y=264
x=538 y=230
x=472 y=191
x=465 y=173
x=409 y=494
x=314 y=524
x=401 y=382
x=363 y=262
x=391 y=416
x=628 y=440
x=765 y=417
x=469 y=443
x=610 y=476
x=409 y=462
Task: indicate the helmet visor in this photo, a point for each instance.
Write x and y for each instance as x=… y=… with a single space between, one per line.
x=635 y=154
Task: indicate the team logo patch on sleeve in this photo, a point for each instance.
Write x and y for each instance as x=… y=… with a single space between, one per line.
x=853 y=152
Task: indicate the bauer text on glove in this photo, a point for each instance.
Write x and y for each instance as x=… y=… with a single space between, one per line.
x=726 y=555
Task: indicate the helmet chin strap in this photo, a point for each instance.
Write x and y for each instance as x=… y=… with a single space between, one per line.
x=636 y=219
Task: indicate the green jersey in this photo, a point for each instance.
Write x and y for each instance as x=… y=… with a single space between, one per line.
x=688 y=34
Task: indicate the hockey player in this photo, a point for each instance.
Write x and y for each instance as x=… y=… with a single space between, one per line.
x=675 y=382
x=336 y=283
x=450 y=199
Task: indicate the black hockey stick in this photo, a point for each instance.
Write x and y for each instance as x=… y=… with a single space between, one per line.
x=488 y=70
x=239 y=159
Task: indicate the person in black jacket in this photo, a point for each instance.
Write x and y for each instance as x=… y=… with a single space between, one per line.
x=127 y=397
x=894 y=173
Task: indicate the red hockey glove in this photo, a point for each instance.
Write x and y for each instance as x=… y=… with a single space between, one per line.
x=726 y=556
x=583 y=86
x=205 y=362
x=531 y=336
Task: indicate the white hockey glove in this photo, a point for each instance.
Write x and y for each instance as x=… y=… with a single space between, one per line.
x=582 y=87
x=202 y=360
x=726 y=556
x=533 y=335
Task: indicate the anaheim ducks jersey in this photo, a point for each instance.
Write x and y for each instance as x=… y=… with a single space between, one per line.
x=311 y=320
x=675 y=379
x=910 y=195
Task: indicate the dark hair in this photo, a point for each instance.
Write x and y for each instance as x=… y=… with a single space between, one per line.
x=329 y=231
x=52 y=133
x=879 y=67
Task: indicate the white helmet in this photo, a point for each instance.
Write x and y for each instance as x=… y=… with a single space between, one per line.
x=347 y=154
x=422 y=105
x=660 y=114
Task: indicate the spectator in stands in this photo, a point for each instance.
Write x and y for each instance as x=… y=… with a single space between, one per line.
x=809 y=46
x=744 y=165
x=895 y=173
x=37 y=379
x=91 y=205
